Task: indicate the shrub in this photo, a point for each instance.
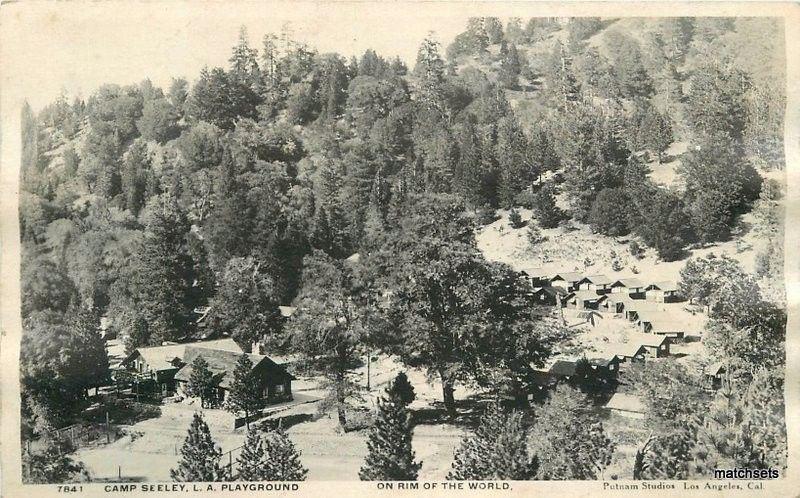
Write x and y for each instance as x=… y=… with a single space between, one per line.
x=616 y=265
x=485 y=215
x=535 y=235
x=515 y=219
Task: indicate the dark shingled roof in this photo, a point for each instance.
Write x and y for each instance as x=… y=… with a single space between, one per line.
x=563 y=368
x=221 y=363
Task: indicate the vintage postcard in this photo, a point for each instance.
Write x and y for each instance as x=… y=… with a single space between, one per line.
x=369 y=248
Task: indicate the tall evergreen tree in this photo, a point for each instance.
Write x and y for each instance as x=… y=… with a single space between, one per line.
x=201 y=382
x=497 y=450
x=200 y=457
x=389 y=453
x=244 y=395
x=163 y=272
x=251 y=462
x=282 y=458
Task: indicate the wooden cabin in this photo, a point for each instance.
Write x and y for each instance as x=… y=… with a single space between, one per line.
x=662 y=292
x=632 y=287
x=536 y=276
x=567 y=281
x=582 y=300
x=272 y=381
x=161 y=363
x=549 y=296
x=657 y=346
x=600 y=284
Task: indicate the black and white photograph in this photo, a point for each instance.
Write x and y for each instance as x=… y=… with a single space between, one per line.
x=321 y=243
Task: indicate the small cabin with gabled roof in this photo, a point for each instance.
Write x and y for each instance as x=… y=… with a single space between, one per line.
x=632 y=287
x=567 y=281
x=600 y=284
x=662 y=292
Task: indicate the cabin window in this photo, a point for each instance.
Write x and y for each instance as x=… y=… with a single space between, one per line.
x=278 y=388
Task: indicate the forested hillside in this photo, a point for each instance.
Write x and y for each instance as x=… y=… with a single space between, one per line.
x=196 y=210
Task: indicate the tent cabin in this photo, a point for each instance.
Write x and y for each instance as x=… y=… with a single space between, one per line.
x=549 y=296
x=662 y=292
x=657 y=346
x=562 y=369
x=668 y=323
x=632 y=287
x=161 y=363
x=600 y=284
x=272 y=381
x=616 y=303
x=582 y=300
x=627 y=405
x=606 y=366
x=632 y=351
x=567 y=281
x=715 y=374
x=636 y=307
x=536 y=276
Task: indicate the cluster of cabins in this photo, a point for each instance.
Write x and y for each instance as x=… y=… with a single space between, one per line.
x=640 y=302
x=649 y=305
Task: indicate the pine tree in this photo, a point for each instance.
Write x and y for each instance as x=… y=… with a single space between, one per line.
x=200 y=457
x=389 y=453
x=401 y=389
x=89 y=346
x=497 y=450
x=53 y=465
x=511 y=159
x=282 y=459
x=545 y=210
x=244 y=67
x=201 y=382
x=250 y=464
x=164 y=272
x=244 y=394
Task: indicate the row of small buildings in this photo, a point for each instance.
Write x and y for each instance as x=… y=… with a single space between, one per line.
x=640 y=302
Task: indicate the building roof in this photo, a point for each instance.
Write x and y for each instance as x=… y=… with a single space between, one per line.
x=627 y=403
x=162 y=357
x=628 y=350
x=640 y=306
x=567 y=276
x=652 y=340
x=585 y=295
x=353 y=258
x=532 y=271
x=597 y=279
x=602 y=361
x=622 y=298
x=220 y=363
x=630 y=283
x=715 y=368
x=553 y=291
x=666 y=286
x=286 y=311
x=563 y=368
